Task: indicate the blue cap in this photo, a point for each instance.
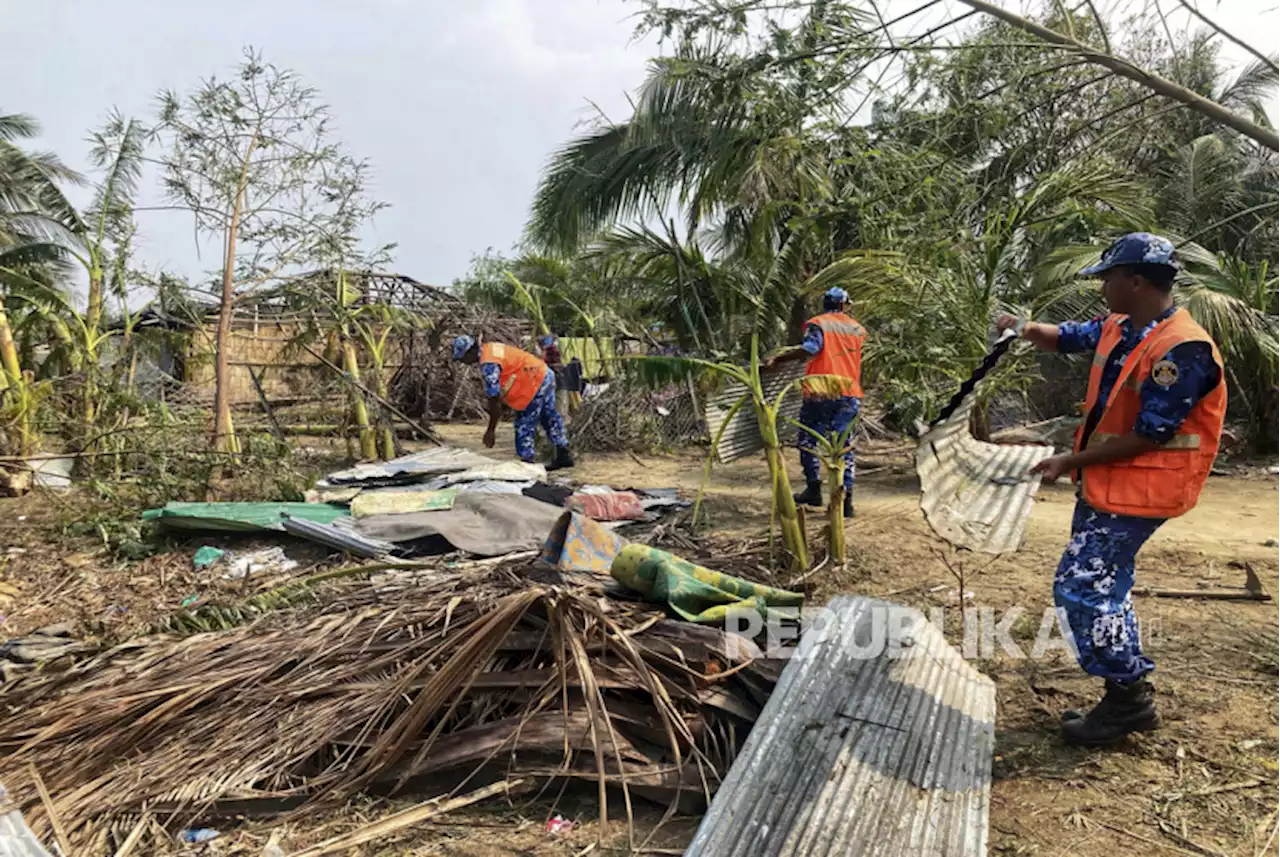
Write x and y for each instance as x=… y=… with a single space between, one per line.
x=462 y=345
x=835 y=294
x=1136 y=248
x=546 y=340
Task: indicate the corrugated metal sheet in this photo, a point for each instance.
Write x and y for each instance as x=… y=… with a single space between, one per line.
x=974 y=494
x=742 y=437
x=337 y=537
x=416 y=467
x=859 y=752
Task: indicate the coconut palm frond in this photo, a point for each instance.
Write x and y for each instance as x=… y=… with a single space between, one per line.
x=1251 y=90
x=18 y=126
x=118 y=151
x=1201 y=183
x=595 y=180
x=29 y=184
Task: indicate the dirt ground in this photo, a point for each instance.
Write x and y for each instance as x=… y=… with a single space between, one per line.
x=1205 y=784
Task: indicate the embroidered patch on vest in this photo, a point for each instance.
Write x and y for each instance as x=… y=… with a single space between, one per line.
x=1165 y=373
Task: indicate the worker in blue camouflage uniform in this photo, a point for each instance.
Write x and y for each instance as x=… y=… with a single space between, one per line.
x=541 y=409
x=833 y=346
x=1094 y=579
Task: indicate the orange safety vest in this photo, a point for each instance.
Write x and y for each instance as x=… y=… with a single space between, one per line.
x=1165 y=482
x=521 y=373
x=841 y=355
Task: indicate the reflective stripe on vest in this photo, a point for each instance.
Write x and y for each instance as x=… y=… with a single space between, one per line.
x=1166 y=481
x=1179 y=441
x=520 y=374
x=841 y=356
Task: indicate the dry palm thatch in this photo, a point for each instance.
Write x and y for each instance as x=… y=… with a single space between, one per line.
x=423 y=683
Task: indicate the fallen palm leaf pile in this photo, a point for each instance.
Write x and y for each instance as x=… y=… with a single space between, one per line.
x=429 y=682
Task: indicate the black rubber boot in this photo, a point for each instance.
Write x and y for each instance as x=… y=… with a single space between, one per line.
x=562 y=460
x=811 y=496
x=1122 y=710
x=848 y=506
x=1108 y=698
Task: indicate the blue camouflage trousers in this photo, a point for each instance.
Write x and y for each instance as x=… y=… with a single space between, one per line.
x=542 y=410
x=826 y=416
x=1092 y=587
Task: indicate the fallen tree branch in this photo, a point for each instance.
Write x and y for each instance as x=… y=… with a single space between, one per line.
x=1270 y=63
x=1204 y=106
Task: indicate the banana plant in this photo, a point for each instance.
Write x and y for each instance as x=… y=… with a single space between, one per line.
x=374 y=324
x=831 y=450
x=766 y=412
x=343 y=321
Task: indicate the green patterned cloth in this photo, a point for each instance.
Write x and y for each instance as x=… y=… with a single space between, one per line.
x=697 y=594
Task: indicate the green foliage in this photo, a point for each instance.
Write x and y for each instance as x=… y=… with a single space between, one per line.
x=956 y=201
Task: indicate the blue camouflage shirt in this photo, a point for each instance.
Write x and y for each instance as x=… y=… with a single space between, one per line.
x=1163 y=408
x=812 y=342
x=492 y=374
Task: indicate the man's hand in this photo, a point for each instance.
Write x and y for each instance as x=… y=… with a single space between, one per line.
x=489 y=438
x=1053 y=468
x=1006 y=322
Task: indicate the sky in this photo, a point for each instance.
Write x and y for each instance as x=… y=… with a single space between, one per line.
x=456 y=104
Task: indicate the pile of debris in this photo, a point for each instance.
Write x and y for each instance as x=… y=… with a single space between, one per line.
x=428 y=503
x=411 y=681
x=425 y=672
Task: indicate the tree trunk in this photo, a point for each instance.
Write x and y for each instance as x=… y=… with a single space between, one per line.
x=224 y=436
x=16 y=386
x=796 y=322
x=835 y=515
x=793 y=537
x=8 y=350
x=224 y=433
x=93 y=319
x=359 y=410
x=386 y=435
x=980 y=422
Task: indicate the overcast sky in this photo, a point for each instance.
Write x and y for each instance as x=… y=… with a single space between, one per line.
x=456 y=103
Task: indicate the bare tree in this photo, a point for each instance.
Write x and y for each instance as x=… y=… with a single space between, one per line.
x=252 y=159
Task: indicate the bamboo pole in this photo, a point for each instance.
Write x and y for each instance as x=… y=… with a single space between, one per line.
x=417 y=426
x=359 y=410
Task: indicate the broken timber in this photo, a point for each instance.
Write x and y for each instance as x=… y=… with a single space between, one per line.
x=877 y=741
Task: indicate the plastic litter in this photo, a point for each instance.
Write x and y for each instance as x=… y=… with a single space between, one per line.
x=52 y=472
x=207 y=555
x=16 y=839
x=559 y=826
x=256 y=562
x=204 y=834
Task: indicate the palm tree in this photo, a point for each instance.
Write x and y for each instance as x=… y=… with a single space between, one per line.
x=35 y=220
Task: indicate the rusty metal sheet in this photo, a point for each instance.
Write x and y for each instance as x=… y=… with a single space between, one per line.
x=859 y=751
x=742 y=436
x=974 y=494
